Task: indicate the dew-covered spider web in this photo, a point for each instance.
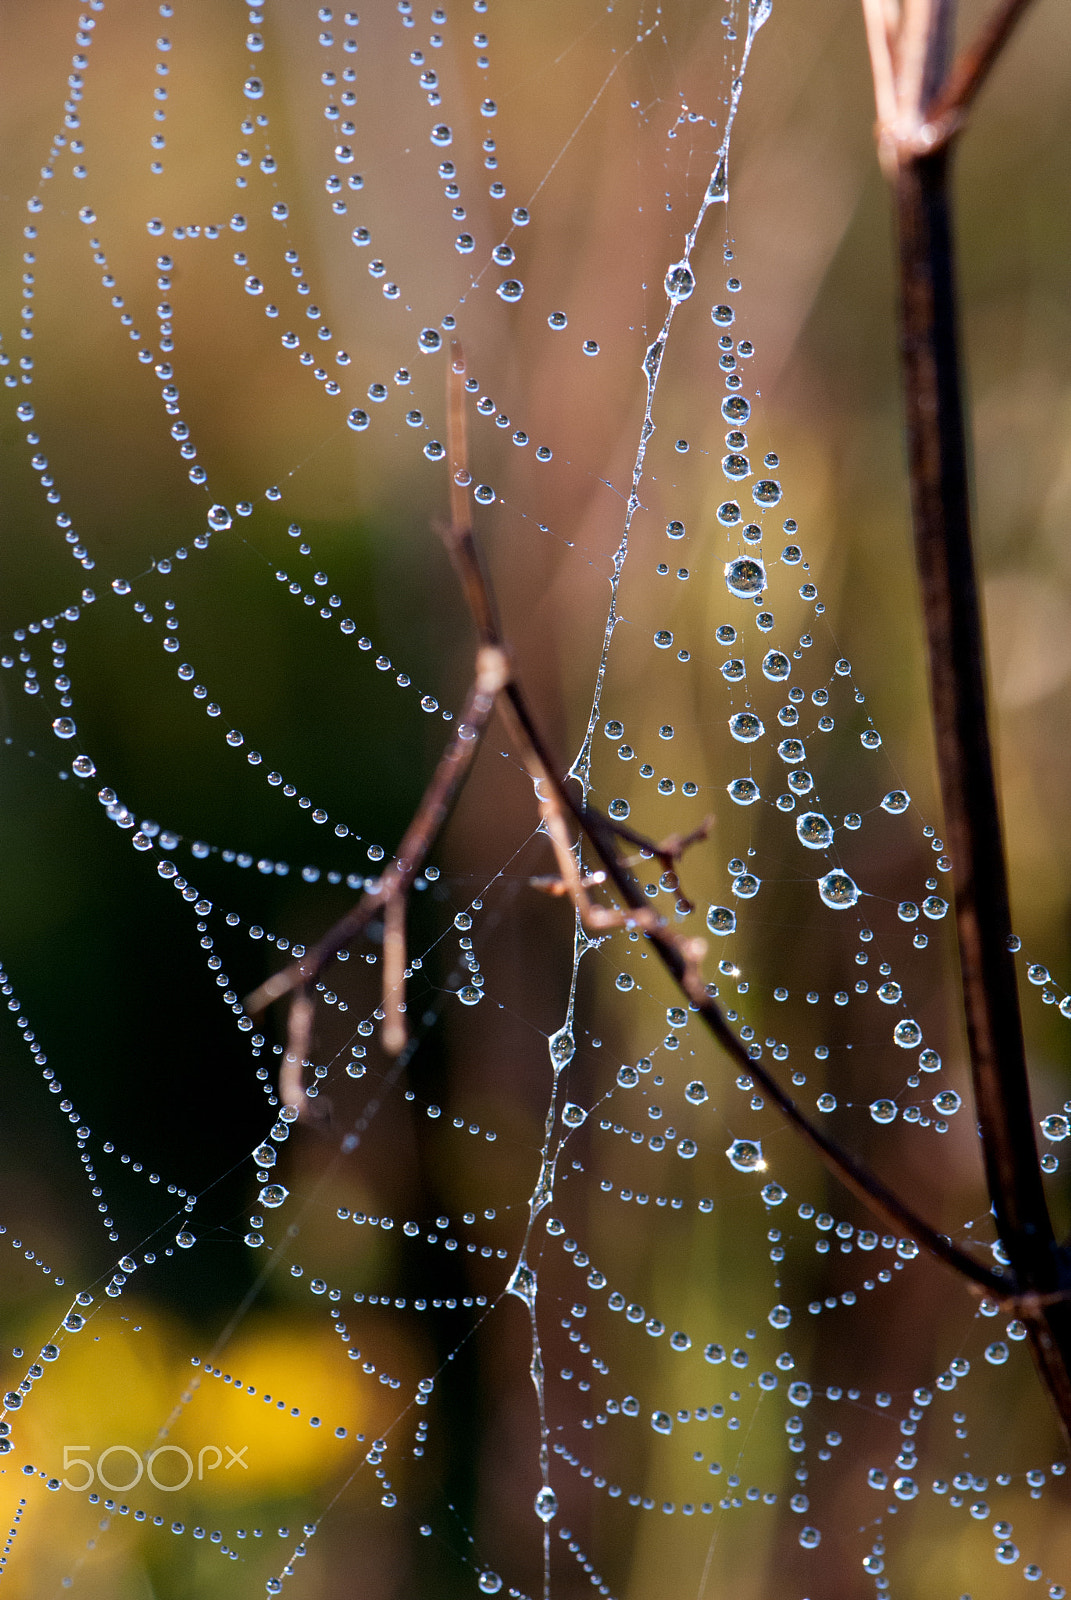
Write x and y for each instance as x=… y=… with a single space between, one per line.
x=551 y=1303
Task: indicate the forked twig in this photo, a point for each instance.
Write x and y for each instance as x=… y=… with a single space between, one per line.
x=948 y=112
x=562 y=812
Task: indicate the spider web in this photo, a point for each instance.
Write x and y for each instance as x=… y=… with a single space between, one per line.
x=549 y=1304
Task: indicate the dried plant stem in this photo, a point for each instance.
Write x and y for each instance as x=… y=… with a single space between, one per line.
x=940 y=505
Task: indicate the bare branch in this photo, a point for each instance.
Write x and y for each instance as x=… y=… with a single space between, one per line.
x=298 y=1041
x=394 y=1033
x=879 y=39
x=948 y=112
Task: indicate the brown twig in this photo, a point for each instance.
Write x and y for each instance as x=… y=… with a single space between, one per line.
x=394 y=1034
x=917 y=160
x=948 y=112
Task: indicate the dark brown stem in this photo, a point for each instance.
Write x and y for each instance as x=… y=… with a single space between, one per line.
x=940 y=505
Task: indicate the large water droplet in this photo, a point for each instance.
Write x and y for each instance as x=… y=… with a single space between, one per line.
x=746 y=1155
x=767 y=492
x=546 y=1504
x=662 y=1422
x=883 y=1110
x=838 y=890
x=185 y=1240
x=680 y=281
x=470 y=995
x=272 y=1195
x=490 y=1583
x=746 y=727
x=745 y=577
x=696 y=1092
x=64 y=728
x=1056 y=1127
x=776 y=666
x=814 y=830
x=745 y=791
x=721 y=920
x=896 y=800
x=573 y=1116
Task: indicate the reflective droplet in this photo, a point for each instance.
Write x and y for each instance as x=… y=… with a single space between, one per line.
x=767 y=492
x=905 y=1488
x=814 y=830
x=746 y=727
x=663 y=639
x=744 y=791
x=896 y=800
x=511 y=290
x=1056 y=1127
x=490 y=1583
x=696 y=1092
x=883 y=1110
x=721 y=920
x=745 y=577
x=273 y=1195
x=662 y=1422
x=791 y=751
x=470 y=995
x=810 y=1538
x=1007 y=1553
x=779 y=1317
x=254 y=88
x=947 y=1102
x=573 y=1115
x=838 y=890
x=907 y=1034
x=776 y=666
x=84 y=767
x=826 y=1102
x=628 y=1077
x=934 y=907
x=265 y=1155
x=185 y=1240
x=64 y=728
x=680 y=282
x=746 y=886
x=746 y=1155
x=619 y=809
x=546 y=1504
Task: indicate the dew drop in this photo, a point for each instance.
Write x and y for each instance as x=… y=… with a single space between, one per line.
x=896 y=800
x=810 y=1538
x=746 y=1155
x=814 y=830
x=273 y=1195
x=1056 y=1127
x=779 y=1317
x=185 y=1240
x=776 y=666
x=883 y=1110
x=64 y=728
x=744 y=790
x=745 y=577
x=680 y=282
x=619 y=809
x=511 y=290
x=696 y=1092
x=546 y=1504
x=838 y=890
x=746 y=727
x=907 y=1034
x=470 y=995
x=662 y=1422
x=767 y=492
x=721 y=920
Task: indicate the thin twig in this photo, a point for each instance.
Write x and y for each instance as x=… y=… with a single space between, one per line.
x=394 y=1034
x=492 y=669
x=948 y=112
x=879 y=43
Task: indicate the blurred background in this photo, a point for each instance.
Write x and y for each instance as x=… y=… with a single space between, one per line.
x=322 y=201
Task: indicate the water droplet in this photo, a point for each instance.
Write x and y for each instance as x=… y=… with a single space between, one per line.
x=273 y=1195
x=558 y=319
x=64 y=728
x=744 y=790
x=838 y=890
x=663 y=639
x=735 y=466
x=746 y=886
x=905 y=1488
x=1056 y=1127
x=746 y=727
x=1006 y=1553
x=907 y=1034
x=779 y=1317
x=573 y=1116
x=358 y=420
x=661 y=1422
x=619 y=809
x=934 y=907
x=254 y=88
x=84 y=767
x=696 y=1092
x=185 y=1240
x=546 y=1504
x=896 y=800
x=264 y=1155
x=721 y=920
x=791 y=751
x=746 y=1155
x=883 y=1110
x=814 y=830
x=628 y=1077
x=745 y=577
x=687 y=1149
x=767 y=492
x=470 y=995
x=826 y=1102
x=947 y=1102
x=907 y=911
x=73 y=1321
x=810 y=1538
x=776 y=666
x=511 y=290
x=523 y=1283
x=680 y=282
